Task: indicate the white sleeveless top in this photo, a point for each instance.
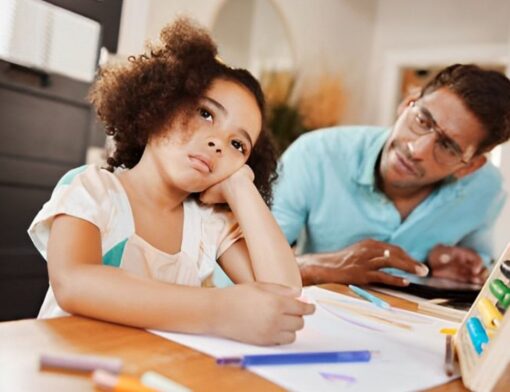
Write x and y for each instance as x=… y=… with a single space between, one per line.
x=96 y=195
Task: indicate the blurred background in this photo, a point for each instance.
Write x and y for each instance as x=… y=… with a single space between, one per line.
x=321 y=63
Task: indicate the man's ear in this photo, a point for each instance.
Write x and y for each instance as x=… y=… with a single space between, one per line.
x=473 y=165
x=406 y=102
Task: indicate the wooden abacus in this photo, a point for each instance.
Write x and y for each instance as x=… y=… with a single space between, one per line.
x=482 y=342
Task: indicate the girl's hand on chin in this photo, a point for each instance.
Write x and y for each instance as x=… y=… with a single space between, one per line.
x=219 y=192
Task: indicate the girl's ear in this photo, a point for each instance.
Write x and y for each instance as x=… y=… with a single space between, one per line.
x=406 y=102
x=473 y=165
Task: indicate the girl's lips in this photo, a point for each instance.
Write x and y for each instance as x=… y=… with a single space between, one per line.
x=200 y=163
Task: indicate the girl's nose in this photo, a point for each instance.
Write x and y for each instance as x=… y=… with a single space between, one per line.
x=214 y=145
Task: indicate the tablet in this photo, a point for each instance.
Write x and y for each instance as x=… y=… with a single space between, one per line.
x=430 y=287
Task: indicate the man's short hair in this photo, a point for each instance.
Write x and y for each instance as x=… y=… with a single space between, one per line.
x=485 y=93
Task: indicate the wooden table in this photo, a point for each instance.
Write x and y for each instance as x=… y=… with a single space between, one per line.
x=21 y=343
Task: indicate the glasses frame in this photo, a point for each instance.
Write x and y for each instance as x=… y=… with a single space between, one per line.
x=439 y=134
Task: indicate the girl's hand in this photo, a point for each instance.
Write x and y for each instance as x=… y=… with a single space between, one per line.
x=259 y=313
x=218 y=193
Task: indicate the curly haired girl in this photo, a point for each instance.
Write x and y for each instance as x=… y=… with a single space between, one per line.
x=187 y=186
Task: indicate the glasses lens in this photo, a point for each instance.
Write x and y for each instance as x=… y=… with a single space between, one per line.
x=419 y=124
x=445 y=153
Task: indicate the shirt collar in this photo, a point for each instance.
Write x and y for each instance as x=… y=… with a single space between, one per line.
x=366 y=169
x=449 y=189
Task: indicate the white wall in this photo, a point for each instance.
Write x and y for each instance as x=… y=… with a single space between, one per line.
x=502 y=229
x=142 y=20
x=133 y=27
x=271 y=44
x=407 y=25
x=333 y=35
x=165 y=11
x=236 y=16
x=346 y=36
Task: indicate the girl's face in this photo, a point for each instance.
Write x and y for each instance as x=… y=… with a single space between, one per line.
x=213 y=143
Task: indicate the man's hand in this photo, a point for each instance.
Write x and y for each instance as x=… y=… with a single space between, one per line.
x=359 y=264
x=457 y=263
x=218 y=193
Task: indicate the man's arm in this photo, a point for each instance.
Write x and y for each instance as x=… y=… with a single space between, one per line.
x=359 y=263
x=468 y=261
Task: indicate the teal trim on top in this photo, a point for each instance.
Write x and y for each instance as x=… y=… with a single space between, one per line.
x=220 y=278
x=70 y=175
x=114 y=255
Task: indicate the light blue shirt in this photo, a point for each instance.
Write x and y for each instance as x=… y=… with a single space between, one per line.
x=327 y=186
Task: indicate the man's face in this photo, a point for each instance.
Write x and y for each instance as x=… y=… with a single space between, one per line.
x=434 y=137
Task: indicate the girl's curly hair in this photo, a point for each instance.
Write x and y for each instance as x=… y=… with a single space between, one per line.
x=135 y=100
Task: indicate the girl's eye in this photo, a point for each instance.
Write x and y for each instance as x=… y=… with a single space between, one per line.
x=239 y=146
x=204 y=113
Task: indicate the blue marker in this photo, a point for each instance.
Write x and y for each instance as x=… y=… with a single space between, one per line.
x=296 y=358
x=369 y=297
x=477 y=334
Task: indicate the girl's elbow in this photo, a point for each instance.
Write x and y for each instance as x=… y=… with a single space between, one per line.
x=64 y=292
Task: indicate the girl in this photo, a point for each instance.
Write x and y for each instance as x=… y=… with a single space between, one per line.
x=133 y=244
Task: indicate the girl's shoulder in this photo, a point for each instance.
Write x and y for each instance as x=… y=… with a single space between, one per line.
x=92 y=177
x=89 y=193
x=97 y=194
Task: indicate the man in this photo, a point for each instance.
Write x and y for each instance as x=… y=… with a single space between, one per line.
x=421 y=192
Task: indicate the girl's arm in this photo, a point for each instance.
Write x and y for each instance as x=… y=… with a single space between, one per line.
x=264 y=246
x=82 y=285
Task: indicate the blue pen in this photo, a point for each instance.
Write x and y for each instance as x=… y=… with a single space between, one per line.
x=369 y=297
x=477 y=334
x=296 y=358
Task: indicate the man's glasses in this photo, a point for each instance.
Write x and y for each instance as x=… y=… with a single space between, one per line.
x=446 y=151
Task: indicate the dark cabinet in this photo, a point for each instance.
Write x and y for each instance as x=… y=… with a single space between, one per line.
x=45 y=129
x=46 y=126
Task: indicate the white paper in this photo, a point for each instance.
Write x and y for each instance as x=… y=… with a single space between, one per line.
x=407 y=359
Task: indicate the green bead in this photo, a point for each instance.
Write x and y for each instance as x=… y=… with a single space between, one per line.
x=499 y=289
x=505 y=301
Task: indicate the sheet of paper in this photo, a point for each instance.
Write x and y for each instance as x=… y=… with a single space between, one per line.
x=409 y=345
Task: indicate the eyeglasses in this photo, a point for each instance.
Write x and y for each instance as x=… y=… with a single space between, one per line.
x=446 y=151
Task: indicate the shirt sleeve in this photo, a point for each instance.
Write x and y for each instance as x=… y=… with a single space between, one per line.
x=482 y=239
x=222 y=230
x=81 y=193
x=293 y=191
